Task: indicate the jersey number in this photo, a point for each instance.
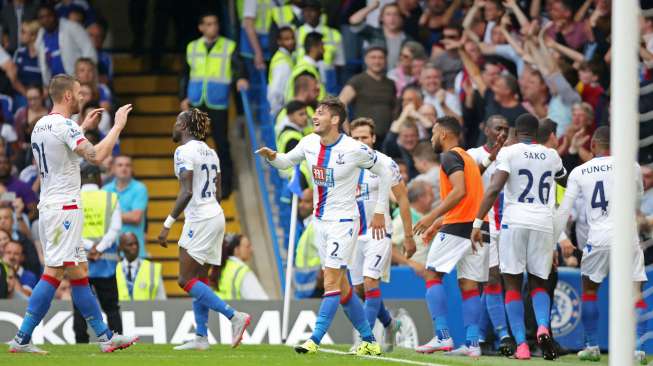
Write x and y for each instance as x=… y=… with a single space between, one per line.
x=598 y=197
x=544 y=187
x=39 y=151
x=209 y=191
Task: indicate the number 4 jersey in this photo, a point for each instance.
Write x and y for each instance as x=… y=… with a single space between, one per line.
x=203 y=161
x=529 y=193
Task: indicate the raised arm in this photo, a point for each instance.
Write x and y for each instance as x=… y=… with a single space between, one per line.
x=471 y=13
x=360 y=16
x=519 y=14
x=473 y=70
x=96 y=154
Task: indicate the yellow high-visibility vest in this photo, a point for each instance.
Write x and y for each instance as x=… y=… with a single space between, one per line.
x=210 y=72
x=231 y=279
x=146 y=283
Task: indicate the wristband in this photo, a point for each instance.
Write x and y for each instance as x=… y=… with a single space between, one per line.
x=478 y=223
x=486 y=162
x=169 y=222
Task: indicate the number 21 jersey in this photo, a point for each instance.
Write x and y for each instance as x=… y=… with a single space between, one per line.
x=203 y=161
x=529 y=193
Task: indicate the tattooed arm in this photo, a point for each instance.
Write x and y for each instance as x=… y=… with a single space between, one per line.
x=96 y=154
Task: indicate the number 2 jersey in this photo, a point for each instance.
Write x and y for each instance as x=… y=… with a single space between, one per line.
x=54 y=140
x=529 y=193
x=203 y=161
x=593 y=181
x=367 y=193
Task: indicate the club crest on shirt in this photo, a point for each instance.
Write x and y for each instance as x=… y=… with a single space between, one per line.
x=66 y=224
x=341 y=159
x=190 y=233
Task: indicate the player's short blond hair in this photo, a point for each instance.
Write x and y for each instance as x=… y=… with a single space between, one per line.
x=60 y=84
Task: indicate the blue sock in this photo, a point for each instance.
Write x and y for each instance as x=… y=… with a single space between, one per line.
x=436 y=301
x=204 y=295
x=589 y=314
x=484 y=321
x=384 y=315
x=372 y=305
x=496 y=310
x=640 y=309
x=37 y=307
x=541 y=306
x=471 y=315
x=87 y=304
x=328 y=309
x=201 y=313
x=354 y=310
x=515 y=310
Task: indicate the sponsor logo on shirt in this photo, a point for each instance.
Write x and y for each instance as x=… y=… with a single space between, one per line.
x=323 y=177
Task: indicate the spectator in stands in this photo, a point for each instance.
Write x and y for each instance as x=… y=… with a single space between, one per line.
x=4 y=239
x=401 y=140
x=306 y=91
x=390 y=34
x=371 y=93
x=86 y=73
x=237 y=280
x=98 y=33
x=65 y=7
x=13 y=184
x=308 y=64
x=138 y=279
x=206 y=86
x=436 y=15
x=132 y=197
x=15 y=289
x=13 y=14
x=448 y=60
x=4 y=280
x=588 y=85
x=13 y=257
x=60 y=43
x=402 y=75
x=28 y=115
x=31 y=262
x=26 y=58
x=421 y=200
x=445 y=102
x=573 y=32
x=308 y=271
x=89 y=98
x=427 y=164
x=293 y=130
x=281 y=67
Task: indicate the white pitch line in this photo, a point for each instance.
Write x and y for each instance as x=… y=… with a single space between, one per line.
x=380 y=358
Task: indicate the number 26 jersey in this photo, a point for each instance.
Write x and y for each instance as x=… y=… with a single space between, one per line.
x=529 y=193
x=203 y=161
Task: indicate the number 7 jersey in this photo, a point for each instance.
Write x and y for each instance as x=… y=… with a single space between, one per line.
x=529 y=193
x=203 y=161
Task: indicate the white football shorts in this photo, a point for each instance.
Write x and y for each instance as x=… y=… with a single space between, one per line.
x=203 y=239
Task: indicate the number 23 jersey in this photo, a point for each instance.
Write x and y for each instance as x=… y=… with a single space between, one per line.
x=203 y=161
x=529 y=193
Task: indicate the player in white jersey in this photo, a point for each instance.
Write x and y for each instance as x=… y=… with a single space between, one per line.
x=335 y=160
x=527 y=170
x=372 y=257
x=200 y=245
x=593 y=182
x=58 y=145
x=496 y=132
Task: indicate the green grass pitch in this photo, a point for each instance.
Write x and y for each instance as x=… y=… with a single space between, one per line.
x=258 y=355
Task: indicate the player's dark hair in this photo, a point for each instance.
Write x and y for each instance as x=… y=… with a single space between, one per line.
x=362 y=121
x=312 y=39
x=229 y=244
x=60 y=84
x=602 y=136
x=450 y=124
x=294 y=105
x=197 y=123
x=495 y=117
x=527 y=124
x=545 y=128
x=285 y=28
x=205 y=14
x=335 y=108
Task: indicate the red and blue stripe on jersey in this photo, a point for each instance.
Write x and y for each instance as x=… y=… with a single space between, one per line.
x=322 y=190
x=361 y=206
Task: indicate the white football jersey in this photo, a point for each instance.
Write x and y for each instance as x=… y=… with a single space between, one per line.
x=529 y=193
x=335 y=170
x=54 y=140
x=203 y=161
x=494 y=215
x=593 y=183
x=367 y=193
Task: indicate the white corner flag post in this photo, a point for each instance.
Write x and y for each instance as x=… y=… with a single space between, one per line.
x=624 y=142
x=290 y=264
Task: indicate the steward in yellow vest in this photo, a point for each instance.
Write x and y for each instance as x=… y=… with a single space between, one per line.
x=256 y=20
x=280 y=69
x=235 y=280
x=307 y=264
x=137 y=279
x=307 y=64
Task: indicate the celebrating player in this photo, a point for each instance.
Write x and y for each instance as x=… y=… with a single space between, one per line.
x=496 y=132
x=372 y=258
x=527 y=170
x=198 y=169
x=593 y=182
x=461 y=190
x=57 y=143
x=335 y=160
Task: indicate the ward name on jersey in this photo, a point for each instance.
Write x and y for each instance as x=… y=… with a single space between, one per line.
x=203 y=161
x=529 y=193
x=54 y=140
x=335 y=172
x=593 y=183
x=367 y=193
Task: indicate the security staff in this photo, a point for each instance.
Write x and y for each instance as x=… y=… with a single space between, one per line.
x=236 y=279
x=256 y=20
x=306 y=90
x=211 y=65
x=308 y=270
x=138 y=279
x=308 y=64
x=102 y=224
x=280 y=69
